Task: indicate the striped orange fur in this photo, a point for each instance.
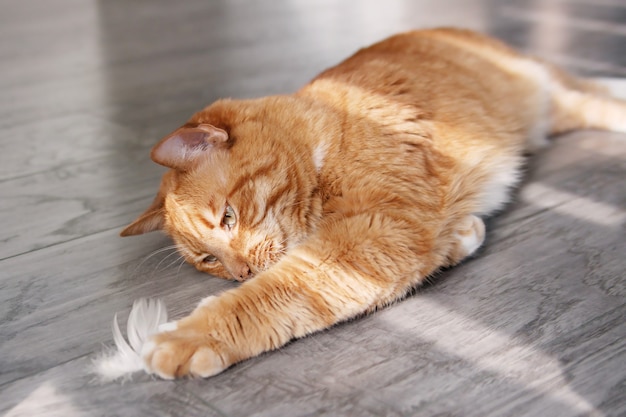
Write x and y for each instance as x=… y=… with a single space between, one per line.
x=342 y=197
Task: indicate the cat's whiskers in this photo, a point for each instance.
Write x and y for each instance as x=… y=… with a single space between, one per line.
x=182 y=262
x=179 y=258
x=156 y=252
x=164 y=259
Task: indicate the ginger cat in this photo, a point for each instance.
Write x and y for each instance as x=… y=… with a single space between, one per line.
x=342 y=197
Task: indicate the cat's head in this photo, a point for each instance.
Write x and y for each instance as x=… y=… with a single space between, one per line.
x=238 y=194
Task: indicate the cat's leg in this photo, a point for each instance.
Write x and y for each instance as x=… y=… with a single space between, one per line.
x=173 y=325
x=468 y=237
x=583 y=104
x=348 y=268
x=578 y=110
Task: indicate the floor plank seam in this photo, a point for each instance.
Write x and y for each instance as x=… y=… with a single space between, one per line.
x=58 y=365
x=96 y=233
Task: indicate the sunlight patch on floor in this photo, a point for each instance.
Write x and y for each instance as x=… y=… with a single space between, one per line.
x=573 y=205
x=617 y=86
x=45 y=401
x=497 y=353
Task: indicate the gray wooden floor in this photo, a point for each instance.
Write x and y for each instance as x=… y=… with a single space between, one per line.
x=533 y=326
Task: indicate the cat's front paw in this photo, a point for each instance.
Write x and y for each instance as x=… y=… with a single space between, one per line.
x=178 y=353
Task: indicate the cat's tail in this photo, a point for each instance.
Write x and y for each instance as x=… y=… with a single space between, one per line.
x=587 y=104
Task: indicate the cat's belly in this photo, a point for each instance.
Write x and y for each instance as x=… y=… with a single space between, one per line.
x=485 y=178
x=496 y=192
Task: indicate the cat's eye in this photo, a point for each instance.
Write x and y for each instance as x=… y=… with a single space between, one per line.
x=229 y=219
x=209 y=259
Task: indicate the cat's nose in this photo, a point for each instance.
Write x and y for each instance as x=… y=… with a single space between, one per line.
x=244 y=272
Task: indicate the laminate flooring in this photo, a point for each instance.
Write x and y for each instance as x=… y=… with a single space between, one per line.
x=532 y=326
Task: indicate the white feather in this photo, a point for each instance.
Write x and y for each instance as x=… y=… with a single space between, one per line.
x=143 y=321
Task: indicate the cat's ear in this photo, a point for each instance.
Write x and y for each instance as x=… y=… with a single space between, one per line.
x=151 y=220
x=182 y=149
x=154 y=217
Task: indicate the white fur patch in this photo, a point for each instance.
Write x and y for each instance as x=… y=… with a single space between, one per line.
x=472 y=241
x=495 y=192
x=206 y=301
x=144 y=320
x=319 y=153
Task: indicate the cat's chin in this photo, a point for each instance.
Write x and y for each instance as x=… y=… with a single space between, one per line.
x=228 y=277
x=239 y=279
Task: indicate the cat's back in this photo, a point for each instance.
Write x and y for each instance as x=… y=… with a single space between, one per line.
x=437 y=57
x=428 y=108
x=447 y=75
